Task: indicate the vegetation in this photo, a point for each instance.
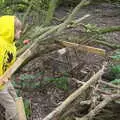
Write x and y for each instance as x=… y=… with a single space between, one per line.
x=37 y=17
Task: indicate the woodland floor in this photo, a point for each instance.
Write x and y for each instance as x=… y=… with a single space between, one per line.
x=47 y=96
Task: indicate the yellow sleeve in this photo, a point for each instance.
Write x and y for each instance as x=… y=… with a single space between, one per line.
x=2 y=52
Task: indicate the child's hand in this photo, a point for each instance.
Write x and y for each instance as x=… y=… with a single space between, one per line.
x=26 y=41
x=3 y=80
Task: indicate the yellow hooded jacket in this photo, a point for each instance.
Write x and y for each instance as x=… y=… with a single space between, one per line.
x=7 y=44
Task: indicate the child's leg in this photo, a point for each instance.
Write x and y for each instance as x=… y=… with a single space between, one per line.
x=9 y=104
x=11 y=90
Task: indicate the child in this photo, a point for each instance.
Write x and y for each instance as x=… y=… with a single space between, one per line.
x=10 y=30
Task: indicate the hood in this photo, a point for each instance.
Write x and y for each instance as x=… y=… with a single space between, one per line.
x=7 y=28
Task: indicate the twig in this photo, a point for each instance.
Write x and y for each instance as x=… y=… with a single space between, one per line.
x=99 y=90
x=109 y=29
x=109 y=84
x=87 y=102
x=99 y=107
x=114 y=46
x=27 y=12
x=51 y=10
x=78 y=21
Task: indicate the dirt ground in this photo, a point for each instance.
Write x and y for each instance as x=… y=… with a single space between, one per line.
x=47 y=96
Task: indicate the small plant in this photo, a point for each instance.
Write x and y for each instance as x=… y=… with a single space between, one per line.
x=91 y=28
x=27 y=107
x=116 y=81
x=115 y=68
x=61 y=82
x=116 y=55
x=27 y=80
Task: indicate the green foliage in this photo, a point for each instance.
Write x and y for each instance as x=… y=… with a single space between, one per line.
x=50 y=13
x=116 y=81
x=11 y=6
x=14 y=6
x=115 y=69
x=115 y=1
x=27 y=81
x=43 y=4
x=61 y=83
x=27 y=107
x=91 y=28
x=116 y=55
x=40 y=13
x=26 y=77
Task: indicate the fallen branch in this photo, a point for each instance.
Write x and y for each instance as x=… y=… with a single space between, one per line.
x=74 y=95
x=99 y=107
x=45 y=29
x=72 y=15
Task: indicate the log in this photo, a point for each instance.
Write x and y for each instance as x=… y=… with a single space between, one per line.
x=20 y=109
x=74 y=95
x=99 y=107
x=83 y=47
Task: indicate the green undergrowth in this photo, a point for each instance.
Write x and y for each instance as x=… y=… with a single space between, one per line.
x=28 y=82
